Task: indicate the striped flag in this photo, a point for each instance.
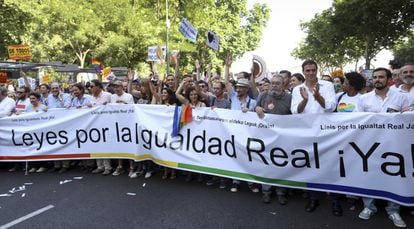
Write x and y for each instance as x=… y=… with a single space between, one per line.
x=182 y=115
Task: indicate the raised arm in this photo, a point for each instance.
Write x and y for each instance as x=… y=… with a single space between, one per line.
x=252 y=82
x=228 y=61
x=179 y=96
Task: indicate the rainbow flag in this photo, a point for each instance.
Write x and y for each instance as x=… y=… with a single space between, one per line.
x=96 y=61
x=97 y=64
x=182 y=115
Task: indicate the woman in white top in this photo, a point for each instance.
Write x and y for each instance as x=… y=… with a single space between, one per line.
x=347 y=101
x=36 y=106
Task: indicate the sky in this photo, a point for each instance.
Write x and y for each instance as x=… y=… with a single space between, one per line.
x=283 y=34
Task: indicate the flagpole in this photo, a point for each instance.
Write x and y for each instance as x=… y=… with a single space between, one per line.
x=167 y=23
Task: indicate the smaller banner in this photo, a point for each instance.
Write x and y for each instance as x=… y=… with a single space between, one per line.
x=19 y=52
x=213 y=40
x=259 y=68
x=45 y=79
x=188 y=30
x=173 y=56
x=32 y=82
x=155 y=54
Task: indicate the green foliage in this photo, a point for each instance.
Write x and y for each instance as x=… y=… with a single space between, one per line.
x=120 y=31
x=13 y=23
x=404 y=51
x=357 y=28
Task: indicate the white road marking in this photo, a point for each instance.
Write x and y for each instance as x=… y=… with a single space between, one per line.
x=26 y=217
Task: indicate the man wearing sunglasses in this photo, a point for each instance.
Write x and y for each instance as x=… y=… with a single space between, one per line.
x=23 y=102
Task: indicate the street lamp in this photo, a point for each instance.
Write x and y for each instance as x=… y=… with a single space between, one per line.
x=167 y=23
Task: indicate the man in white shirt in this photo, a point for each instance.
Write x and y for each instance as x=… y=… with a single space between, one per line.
x=120 y=95
x=100 y=97
x=382 y=100
x=6 y=104
x=396 y=79
x=407 y=77
x=314 y=96
x=23 y=101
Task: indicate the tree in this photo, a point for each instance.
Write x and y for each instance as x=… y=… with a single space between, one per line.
x=323 y=45
x=13 y=23
x=120 y=31
x=376 y=25
x=404 y=51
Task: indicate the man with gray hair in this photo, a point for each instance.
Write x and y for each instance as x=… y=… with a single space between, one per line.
x=407 y=77
x=6 y=104
x=58 y=99
x=274 y=101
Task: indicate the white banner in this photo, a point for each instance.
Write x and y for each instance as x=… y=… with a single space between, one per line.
x=212 y=40
x=357 y=153
x=153 y=54
x=188 y=30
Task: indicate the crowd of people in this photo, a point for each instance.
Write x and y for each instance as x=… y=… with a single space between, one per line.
x=389 y=90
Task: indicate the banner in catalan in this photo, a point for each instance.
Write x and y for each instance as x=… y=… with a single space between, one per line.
x=19 y=52
x=363 y=154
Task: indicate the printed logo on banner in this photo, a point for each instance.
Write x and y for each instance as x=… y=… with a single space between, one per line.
x=213 y=41
x=154 y=53
x=188 y=30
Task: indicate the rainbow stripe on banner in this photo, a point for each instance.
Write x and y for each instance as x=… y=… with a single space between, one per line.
x=182 y=115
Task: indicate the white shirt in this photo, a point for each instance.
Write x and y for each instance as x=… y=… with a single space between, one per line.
x=125 y=97
x=371 y=102
x=23 y=105
x=327 y=91
x=103 y=98
x=347 y=103
x=6 y=107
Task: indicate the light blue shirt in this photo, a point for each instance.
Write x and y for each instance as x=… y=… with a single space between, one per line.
x=60 y=101
x=249 y=103
x=82 y=102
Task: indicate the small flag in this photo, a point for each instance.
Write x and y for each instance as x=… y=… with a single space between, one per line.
x=96 y=61
x=182 y=115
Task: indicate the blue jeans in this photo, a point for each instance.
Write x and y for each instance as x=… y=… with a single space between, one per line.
x=391 y=207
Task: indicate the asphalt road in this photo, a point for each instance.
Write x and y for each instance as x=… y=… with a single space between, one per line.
x=96 y=201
